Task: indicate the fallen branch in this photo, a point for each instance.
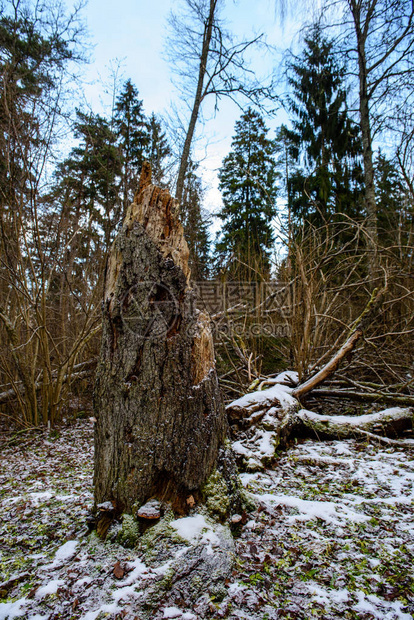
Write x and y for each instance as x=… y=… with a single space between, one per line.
x=387 y=441
x=329 y=368
x=368 y=397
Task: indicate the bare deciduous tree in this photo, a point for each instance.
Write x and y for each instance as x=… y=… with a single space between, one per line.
x=383 y=33
x=42 y=336
x=208 y=62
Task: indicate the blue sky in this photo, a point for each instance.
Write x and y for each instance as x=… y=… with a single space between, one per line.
x=134 y=32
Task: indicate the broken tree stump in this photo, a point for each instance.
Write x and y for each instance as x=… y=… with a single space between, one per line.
x=161 y=424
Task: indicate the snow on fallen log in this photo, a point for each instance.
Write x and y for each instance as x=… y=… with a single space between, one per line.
x=264 y=421
x=260 y=422
x=392 y=421
x=278 y=395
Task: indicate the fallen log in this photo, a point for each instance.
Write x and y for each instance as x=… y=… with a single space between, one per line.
x=256 y=446
x=265 y=421
x=393 y=421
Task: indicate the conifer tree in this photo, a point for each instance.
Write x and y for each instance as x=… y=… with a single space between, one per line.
x=158 y=150
x=131 y=127
x=90 y=177
x=139 y=138
x=324 y=139
x=248 y=185
x=196 y=224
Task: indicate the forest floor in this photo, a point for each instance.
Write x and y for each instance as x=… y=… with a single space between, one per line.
x=332 y=537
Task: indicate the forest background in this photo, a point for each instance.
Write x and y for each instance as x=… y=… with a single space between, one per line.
x=316 y=220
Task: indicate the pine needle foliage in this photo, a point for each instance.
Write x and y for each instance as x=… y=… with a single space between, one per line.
x=248 y=184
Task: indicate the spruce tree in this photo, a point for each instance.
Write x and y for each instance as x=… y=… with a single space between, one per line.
x=196 y=222
x=139 y=138
x=248 y=185
x=158 y=150
x=89 y=178
x=131 y=127
x=326 y=144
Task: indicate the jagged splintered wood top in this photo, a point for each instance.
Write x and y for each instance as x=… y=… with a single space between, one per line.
x=158 y=213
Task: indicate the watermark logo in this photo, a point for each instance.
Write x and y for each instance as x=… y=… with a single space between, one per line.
x=150 y=310
x=233 y=329
x=237 y=297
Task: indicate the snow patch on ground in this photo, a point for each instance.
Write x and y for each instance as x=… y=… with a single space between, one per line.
x=66 y=551
x=172 y=612
x=137 y=569
x=190 y=528
x=50 y=588
x=327 y=511
x=332 y=537
x=368 y=603
x=8 y=611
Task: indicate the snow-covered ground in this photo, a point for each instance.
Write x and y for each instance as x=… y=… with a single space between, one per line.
x=333 y=537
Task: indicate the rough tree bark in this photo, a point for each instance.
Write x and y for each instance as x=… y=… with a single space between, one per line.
x=161 y=424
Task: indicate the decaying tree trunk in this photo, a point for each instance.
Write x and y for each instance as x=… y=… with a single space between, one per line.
x=161 y=424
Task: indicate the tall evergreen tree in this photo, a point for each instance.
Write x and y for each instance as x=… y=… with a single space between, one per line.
x=131 y=127
x=158 y=150
x=139 y=138
x=89 y=178
x=196 y=224
x=248 y=185
x=324 y=139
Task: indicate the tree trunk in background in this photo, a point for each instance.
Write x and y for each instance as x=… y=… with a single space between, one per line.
x=160 y=418
x=361 y=27
x=202 y=70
